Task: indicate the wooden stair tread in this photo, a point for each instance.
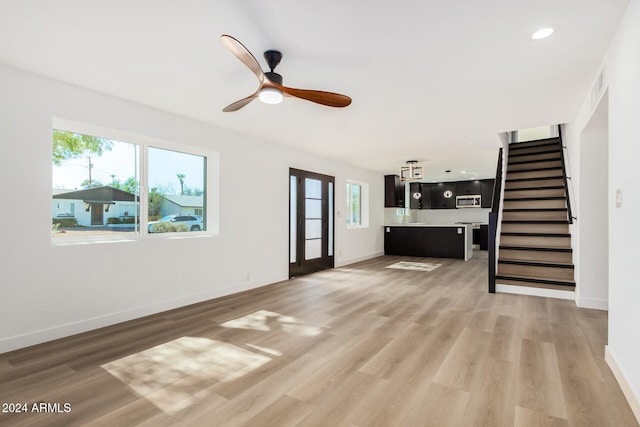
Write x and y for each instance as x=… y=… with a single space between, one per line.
x=535 y=248
x=571 y=283
x=549 y=187
x=536 y=142
x=534 y=234
x=549 y=151
x=525 y=162
x=529 y=199
x=553 y=264
x=534 y=209
x=534 y=221
x=535 y=169
x=548 y=143
x=537 y=178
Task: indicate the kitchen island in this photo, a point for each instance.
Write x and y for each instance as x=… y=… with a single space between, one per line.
x=429 y=240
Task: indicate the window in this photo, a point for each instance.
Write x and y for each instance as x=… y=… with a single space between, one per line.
x=64 y=209
x=98 y=187
x=357 y=204
x=95 y=180
x=176 y=186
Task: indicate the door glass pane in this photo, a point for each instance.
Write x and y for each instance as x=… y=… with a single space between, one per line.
x=330 y=252
x=313 y=229
x=313 y=188
x=293 y=218
x=313 y=249
x=313 y=208
x=313 y=218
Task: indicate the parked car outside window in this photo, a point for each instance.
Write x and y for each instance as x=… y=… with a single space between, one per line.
x=176 y=223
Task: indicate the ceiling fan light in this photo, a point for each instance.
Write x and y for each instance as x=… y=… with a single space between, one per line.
x=542 y=33
x=270 y=95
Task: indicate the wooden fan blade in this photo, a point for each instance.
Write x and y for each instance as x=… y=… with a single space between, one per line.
x=330 y=99
x=239 y=104
x=243 y=54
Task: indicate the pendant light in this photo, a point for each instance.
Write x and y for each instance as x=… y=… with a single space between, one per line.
x=411 y=172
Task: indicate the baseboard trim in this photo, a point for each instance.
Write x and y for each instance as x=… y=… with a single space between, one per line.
x=359 y=259
x=61 y=331
x=538 y=292
x=594 y=303
x=627 y=390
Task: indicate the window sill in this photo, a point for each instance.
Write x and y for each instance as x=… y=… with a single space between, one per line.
x=92 y=240
x=355 y=227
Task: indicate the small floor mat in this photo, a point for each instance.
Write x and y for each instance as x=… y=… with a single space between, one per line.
x=415 y=266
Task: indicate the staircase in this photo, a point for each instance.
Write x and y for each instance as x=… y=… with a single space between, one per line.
x=535 y=244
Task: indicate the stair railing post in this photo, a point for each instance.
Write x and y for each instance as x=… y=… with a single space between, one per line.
x=564 y=173
x=493 y=223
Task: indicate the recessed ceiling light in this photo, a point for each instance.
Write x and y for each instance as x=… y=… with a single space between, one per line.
x=542 y=33
x=463 y=171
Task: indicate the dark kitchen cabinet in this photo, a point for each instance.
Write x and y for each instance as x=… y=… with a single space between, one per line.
x=415 y=195
x=443 y=195
x=439 y=242
x=483 y=237
x=487 y=192
x=420 y=196
x=468 y=187
x=393 y=192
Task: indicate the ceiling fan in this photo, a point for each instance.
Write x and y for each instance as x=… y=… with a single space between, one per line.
x=271 y=89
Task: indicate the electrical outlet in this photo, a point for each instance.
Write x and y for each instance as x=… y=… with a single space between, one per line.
x=618 y=198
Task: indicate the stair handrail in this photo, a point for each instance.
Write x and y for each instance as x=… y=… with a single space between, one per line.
x=493 y=223
x=567 y=178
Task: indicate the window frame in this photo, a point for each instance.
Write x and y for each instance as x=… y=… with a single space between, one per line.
x=364 y=204
x=211 y=183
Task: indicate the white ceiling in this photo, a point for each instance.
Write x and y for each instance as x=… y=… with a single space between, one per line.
x=435 y=81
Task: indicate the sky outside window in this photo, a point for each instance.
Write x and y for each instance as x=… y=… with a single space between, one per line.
x=119 y=164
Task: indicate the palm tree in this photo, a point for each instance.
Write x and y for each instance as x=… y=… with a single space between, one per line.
x=181 y=178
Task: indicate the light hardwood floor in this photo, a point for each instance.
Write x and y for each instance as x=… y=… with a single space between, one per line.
x=362 y=345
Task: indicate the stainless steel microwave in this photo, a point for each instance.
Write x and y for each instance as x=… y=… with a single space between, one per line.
x=468 y=201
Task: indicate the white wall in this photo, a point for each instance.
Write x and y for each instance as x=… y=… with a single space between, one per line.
x=451 y=216
x=40 y=302
x=593 y=281
x=622 y=65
